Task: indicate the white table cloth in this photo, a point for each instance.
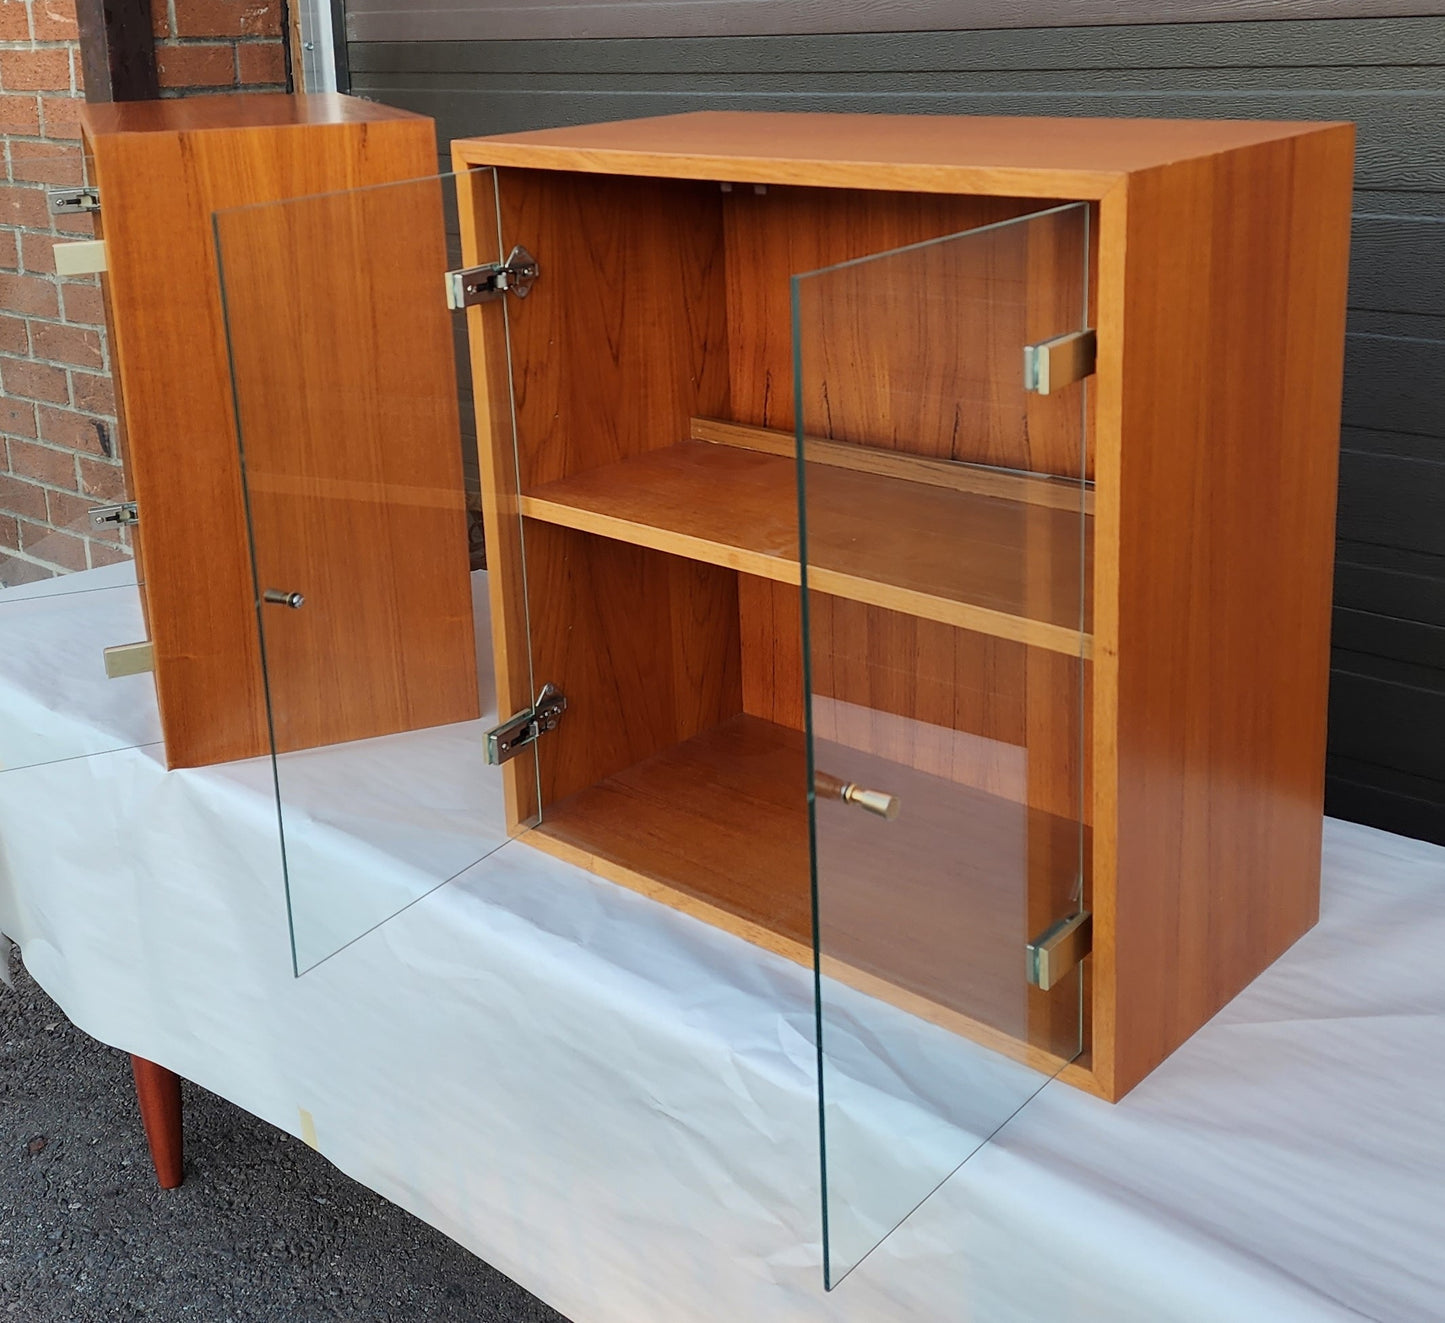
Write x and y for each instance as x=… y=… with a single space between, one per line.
x=614 y=1104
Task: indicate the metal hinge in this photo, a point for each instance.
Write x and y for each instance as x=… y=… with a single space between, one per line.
x=1053 y=364
x=1058 y=949
x=66 y=201
x=115 y=516
x=506 y=741
x=480 y=284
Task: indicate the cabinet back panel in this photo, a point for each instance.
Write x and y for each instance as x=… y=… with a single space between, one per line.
x=982 y=711
x=787 y=231
x=623 y=338
x=644 y=645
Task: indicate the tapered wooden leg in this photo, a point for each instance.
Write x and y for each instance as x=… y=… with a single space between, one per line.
x=159 y=1093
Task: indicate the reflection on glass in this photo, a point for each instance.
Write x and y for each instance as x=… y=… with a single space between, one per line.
x=945 y=534
x=354 y=414
x=56 y=700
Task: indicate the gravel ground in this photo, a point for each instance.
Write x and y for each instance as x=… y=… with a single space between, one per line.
x=264 y=1230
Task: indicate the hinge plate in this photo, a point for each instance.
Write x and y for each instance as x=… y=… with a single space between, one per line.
x=68 y=201
x=115 y=516
x=1056 y=950
x=1053 y=364
x=512 y=737
x=480 y=284
x=129 y=659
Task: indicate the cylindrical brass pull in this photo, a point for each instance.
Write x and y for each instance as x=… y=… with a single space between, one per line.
x=280 y=597
x=850 y=792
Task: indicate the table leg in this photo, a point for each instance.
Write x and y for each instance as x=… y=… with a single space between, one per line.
x=158 y=1091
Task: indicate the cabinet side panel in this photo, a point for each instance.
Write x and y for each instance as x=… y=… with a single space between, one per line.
x=1233 y=332
x=160 y=190
x=497 y=464
x=644 y=645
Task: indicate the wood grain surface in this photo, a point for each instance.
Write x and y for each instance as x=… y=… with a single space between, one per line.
x=980 y=479
x=926 y=550
x=1222 y=297
x=992 y=156
x=933 y=905
x=182 y=160
x=353 y=461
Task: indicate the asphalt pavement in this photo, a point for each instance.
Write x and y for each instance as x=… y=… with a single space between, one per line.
x=264 y=1230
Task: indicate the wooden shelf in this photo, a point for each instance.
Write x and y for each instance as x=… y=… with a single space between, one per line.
x=930 y=911
x=989 y=563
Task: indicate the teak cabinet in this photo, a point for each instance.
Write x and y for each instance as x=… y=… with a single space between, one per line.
x=383 y=637
x=1042 y=669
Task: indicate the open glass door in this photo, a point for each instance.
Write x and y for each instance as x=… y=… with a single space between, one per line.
x=945 y=530
x=354 y=412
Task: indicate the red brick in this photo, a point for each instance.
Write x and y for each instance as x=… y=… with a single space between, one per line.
x=46 y=544
x=42 y=464
x=72 y=430
x=54 y=20
x=160 y=20
x=18 y=496
x=68 y=510
x=29 y=295
x=17 y=417
x=34 y=381
x=20 y=114
x=35 y=71
x=14 y=571
x=14 y=21
x=100 y=554
x=13 y=336
x=83 y=304
x=24 y=206
x=93 y=393
x=46 y=162
x=102 y=479
x=78 y=225
x=73 y=345
x=196 y=66
x=262 y=63
x=62 y=115
x=37 y=253
x=9 y=533
x=228 y=18
x=9 y=255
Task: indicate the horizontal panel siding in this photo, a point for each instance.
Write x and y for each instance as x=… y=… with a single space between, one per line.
x=428 y=20
x=1388 y=75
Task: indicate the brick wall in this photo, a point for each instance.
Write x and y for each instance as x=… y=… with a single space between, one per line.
x=59 y=448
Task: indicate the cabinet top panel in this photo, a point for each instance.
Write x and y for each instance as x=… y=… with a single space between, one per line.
x=1012 y=155
x=241 y=110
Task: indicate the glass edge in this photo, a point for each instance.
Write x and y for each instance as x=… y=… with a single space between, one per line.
x=302 y=198
x=941 y=239
x=799 y=450
x=219 y=240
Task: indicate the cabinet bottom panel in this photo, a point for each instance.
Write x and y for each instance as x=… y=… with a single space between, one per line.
x=930 y=911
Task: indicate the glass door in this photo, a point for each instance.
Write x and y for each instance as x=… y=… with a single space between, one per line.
x=945 y=528
x=353 y=407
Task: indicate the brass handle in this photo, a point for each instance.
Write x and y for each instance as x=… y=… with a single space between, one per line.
x=879 y=802
x=280 y=597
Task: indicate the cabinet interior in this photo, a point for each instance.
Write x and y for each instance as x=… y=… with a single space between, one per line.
x=654 y=401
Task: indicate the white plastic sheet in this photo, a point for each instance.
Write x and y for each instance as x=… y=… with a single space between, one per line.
x=614 y=1104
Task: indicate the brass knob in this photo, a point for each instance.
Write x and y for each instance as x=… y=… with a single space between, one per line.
x=878 y=802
